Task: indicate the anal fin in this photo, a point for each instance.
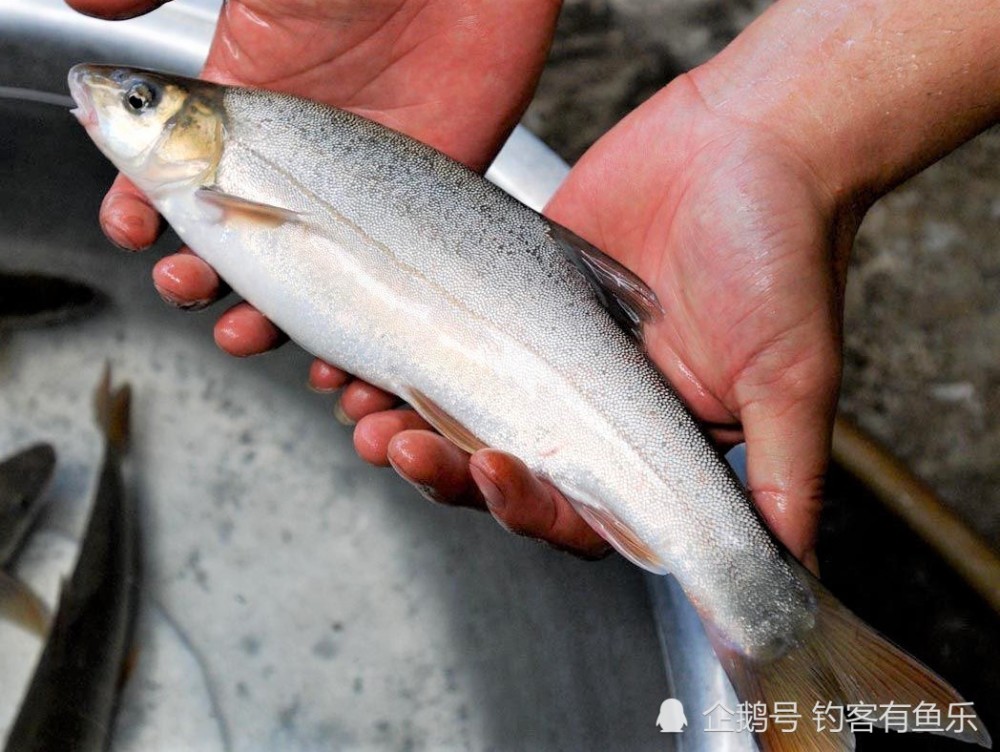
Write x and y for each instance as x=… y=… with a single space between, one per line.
x=446 y=425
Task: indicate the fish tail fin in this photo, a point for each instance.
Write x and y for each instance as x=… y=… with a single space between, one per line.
x=112 y=410
x=21 y=605
x=844 y=664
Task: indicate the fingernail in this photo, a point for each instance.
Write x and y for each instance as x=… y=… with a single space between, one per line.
x=494 y=499
x=340 y=415
x=182 y=303
x=113 y=234
x=321 y=389
x=121 y=224
x=428 y=492
x=116 y=230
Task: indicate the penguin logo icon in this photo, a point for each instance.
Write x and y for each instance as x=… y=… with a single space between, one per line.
x=671 y=719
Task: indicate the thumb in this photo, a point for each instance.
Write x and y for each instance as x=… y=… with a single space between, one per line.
x=788 y=429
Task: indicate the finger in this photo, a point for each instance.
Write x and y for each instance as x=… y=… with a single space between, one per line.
x=374 y=433
x=244 y=331
x=788 y=448
x=127 y=218
x=525 y=505
x=324 y=377
x=184 y=280
x=361 y=398
x=114 y=10
x=436 y=467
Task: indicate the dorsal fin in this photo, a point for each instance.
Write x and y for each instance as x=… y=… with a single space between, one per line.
x=627 y=298
x=111 y=408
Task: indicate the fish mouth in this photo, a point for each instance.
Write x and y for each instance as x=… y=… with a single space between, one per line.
x=80 y=81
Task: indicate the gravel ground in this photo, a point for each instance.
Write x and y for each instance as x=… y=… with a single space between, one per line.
x=922 y=350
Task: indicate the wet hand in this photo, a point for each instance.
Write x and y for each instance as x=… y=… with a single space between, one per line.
x=728 y=226
x=746 y=247
x=736 y=193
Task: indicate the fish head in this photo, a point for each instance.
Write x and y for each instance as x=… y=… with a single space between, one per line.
x=156 y=128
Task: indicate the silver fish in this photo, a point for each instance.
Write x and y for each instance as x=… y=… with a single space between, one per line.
x=503 y=329
x=71 y=700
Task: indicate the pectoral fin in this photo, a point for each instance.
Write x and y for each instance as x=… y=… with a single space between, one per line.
x=627 y=298
x=243 y=208
x=446 y=425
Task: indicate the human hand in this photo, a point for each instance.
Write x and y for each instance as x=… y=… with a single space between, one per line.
x=746 y=247
x=710 y=200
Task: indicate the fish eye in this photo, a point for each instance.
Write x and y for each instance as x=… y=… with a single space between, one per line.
x=140 y=96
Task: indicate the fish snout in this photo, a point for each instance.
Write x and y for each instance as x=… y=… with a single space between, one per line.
x=80 y=88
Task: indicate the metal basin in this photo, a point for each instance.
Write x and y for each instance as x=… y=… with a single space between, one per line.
x=293 y=598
